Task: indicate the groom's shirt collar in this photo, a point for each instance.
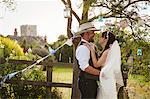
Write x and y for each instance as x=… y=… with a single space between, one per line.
x=83 y=40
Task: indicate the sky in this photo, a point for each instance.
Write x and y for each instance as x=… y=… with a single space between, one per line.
x=48 y=15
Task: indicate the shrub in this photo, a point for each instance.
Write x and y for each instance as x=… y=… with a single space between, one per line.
x=28 y=91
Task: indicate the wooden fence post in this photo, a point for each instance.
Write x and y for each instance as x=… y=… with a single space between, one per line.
x=49 y=77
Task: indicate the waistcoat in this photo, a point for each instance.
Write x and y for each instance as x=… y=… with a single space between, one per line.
x=84 y=74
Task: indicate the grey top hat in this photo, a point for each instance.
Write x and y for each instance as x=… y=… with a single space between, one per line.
x=86 y=27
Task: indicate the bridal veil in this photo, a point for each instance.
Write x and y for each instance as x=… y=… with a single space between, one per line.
x=111 y=75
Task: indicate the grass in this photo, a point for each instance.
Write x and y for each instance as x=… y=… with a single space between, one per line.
x=137 y=88
x=63 y=75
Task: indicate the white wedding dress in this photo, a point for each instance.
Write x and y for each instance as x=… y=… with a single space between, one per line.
x=111 y=74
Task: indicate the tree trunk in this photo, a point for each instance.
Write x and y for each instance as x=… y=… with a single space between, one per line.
x=75 y=89
x=69 y=34
x=85 y=12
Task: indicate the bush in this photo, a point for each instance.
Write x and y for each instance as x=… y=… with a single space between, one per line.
x=20 y=91
x=11 y=47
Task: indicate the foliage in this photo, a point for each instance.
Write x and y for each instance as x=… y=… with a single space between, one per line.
x=38 y=46
x=24 y=91
x=25 y=42
x=28 y=91
x=128 y=9
x=62 y=38
x=10 y=68
x=12 y=50
x=11 y=47
x=27 y=56
x=129 y=46
x=40 y=51
x=8 y=4
x=65 y=52
x=34 y=75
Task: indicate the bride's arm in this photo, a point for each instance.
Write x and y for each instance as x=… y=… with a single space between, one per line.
x=101 y=61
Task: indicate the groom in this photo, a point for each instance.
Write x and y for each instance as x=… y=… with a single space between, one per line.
x=88 y=75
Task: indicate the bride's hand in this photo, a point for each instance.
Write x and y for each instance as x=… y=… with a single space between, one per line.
x=90 y=46
x=93 y=46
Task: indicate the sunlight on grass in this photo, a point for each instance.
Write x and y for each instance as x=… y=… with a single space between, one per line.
x=138 y=89
x=63 y=75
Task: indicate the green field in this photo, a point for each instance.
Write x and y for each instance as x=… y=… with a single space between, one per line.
x=63 y=75
x=136 y=89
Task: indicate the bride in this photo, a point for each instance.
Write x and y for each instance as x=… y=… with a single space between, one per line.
x=110 y=62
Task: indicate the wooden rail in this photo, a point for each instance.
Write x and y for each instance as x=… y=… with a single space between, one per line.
x=39 y=83
x=48 y=84
x=12 y=61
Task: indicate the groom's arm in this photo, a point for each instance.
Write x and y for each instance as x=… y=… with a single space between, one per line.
x=92 y=70
x=83 y=56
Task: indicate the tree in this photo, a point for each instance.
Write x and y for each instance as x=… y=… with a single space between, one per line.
x=62 y=38
x=8 y=4
x=118 y=9
x=11 y=47
x=65 y=52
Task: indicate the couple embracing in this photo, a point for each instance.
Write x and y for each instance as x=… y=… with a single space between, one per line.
x=99 y=76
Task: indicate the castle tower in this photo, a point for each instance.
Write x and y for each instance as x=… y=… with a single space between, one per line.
x=28 y=30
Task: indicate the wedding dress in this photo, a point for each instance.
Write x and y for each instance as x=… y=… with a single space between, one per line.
x=111 y=74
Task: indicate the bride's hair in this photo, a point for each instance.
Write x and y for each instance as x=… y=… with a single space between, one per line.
x=111 y=38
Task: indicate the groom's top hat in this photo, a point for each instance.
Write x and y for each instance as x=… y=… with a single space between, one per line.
x=86 y=27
